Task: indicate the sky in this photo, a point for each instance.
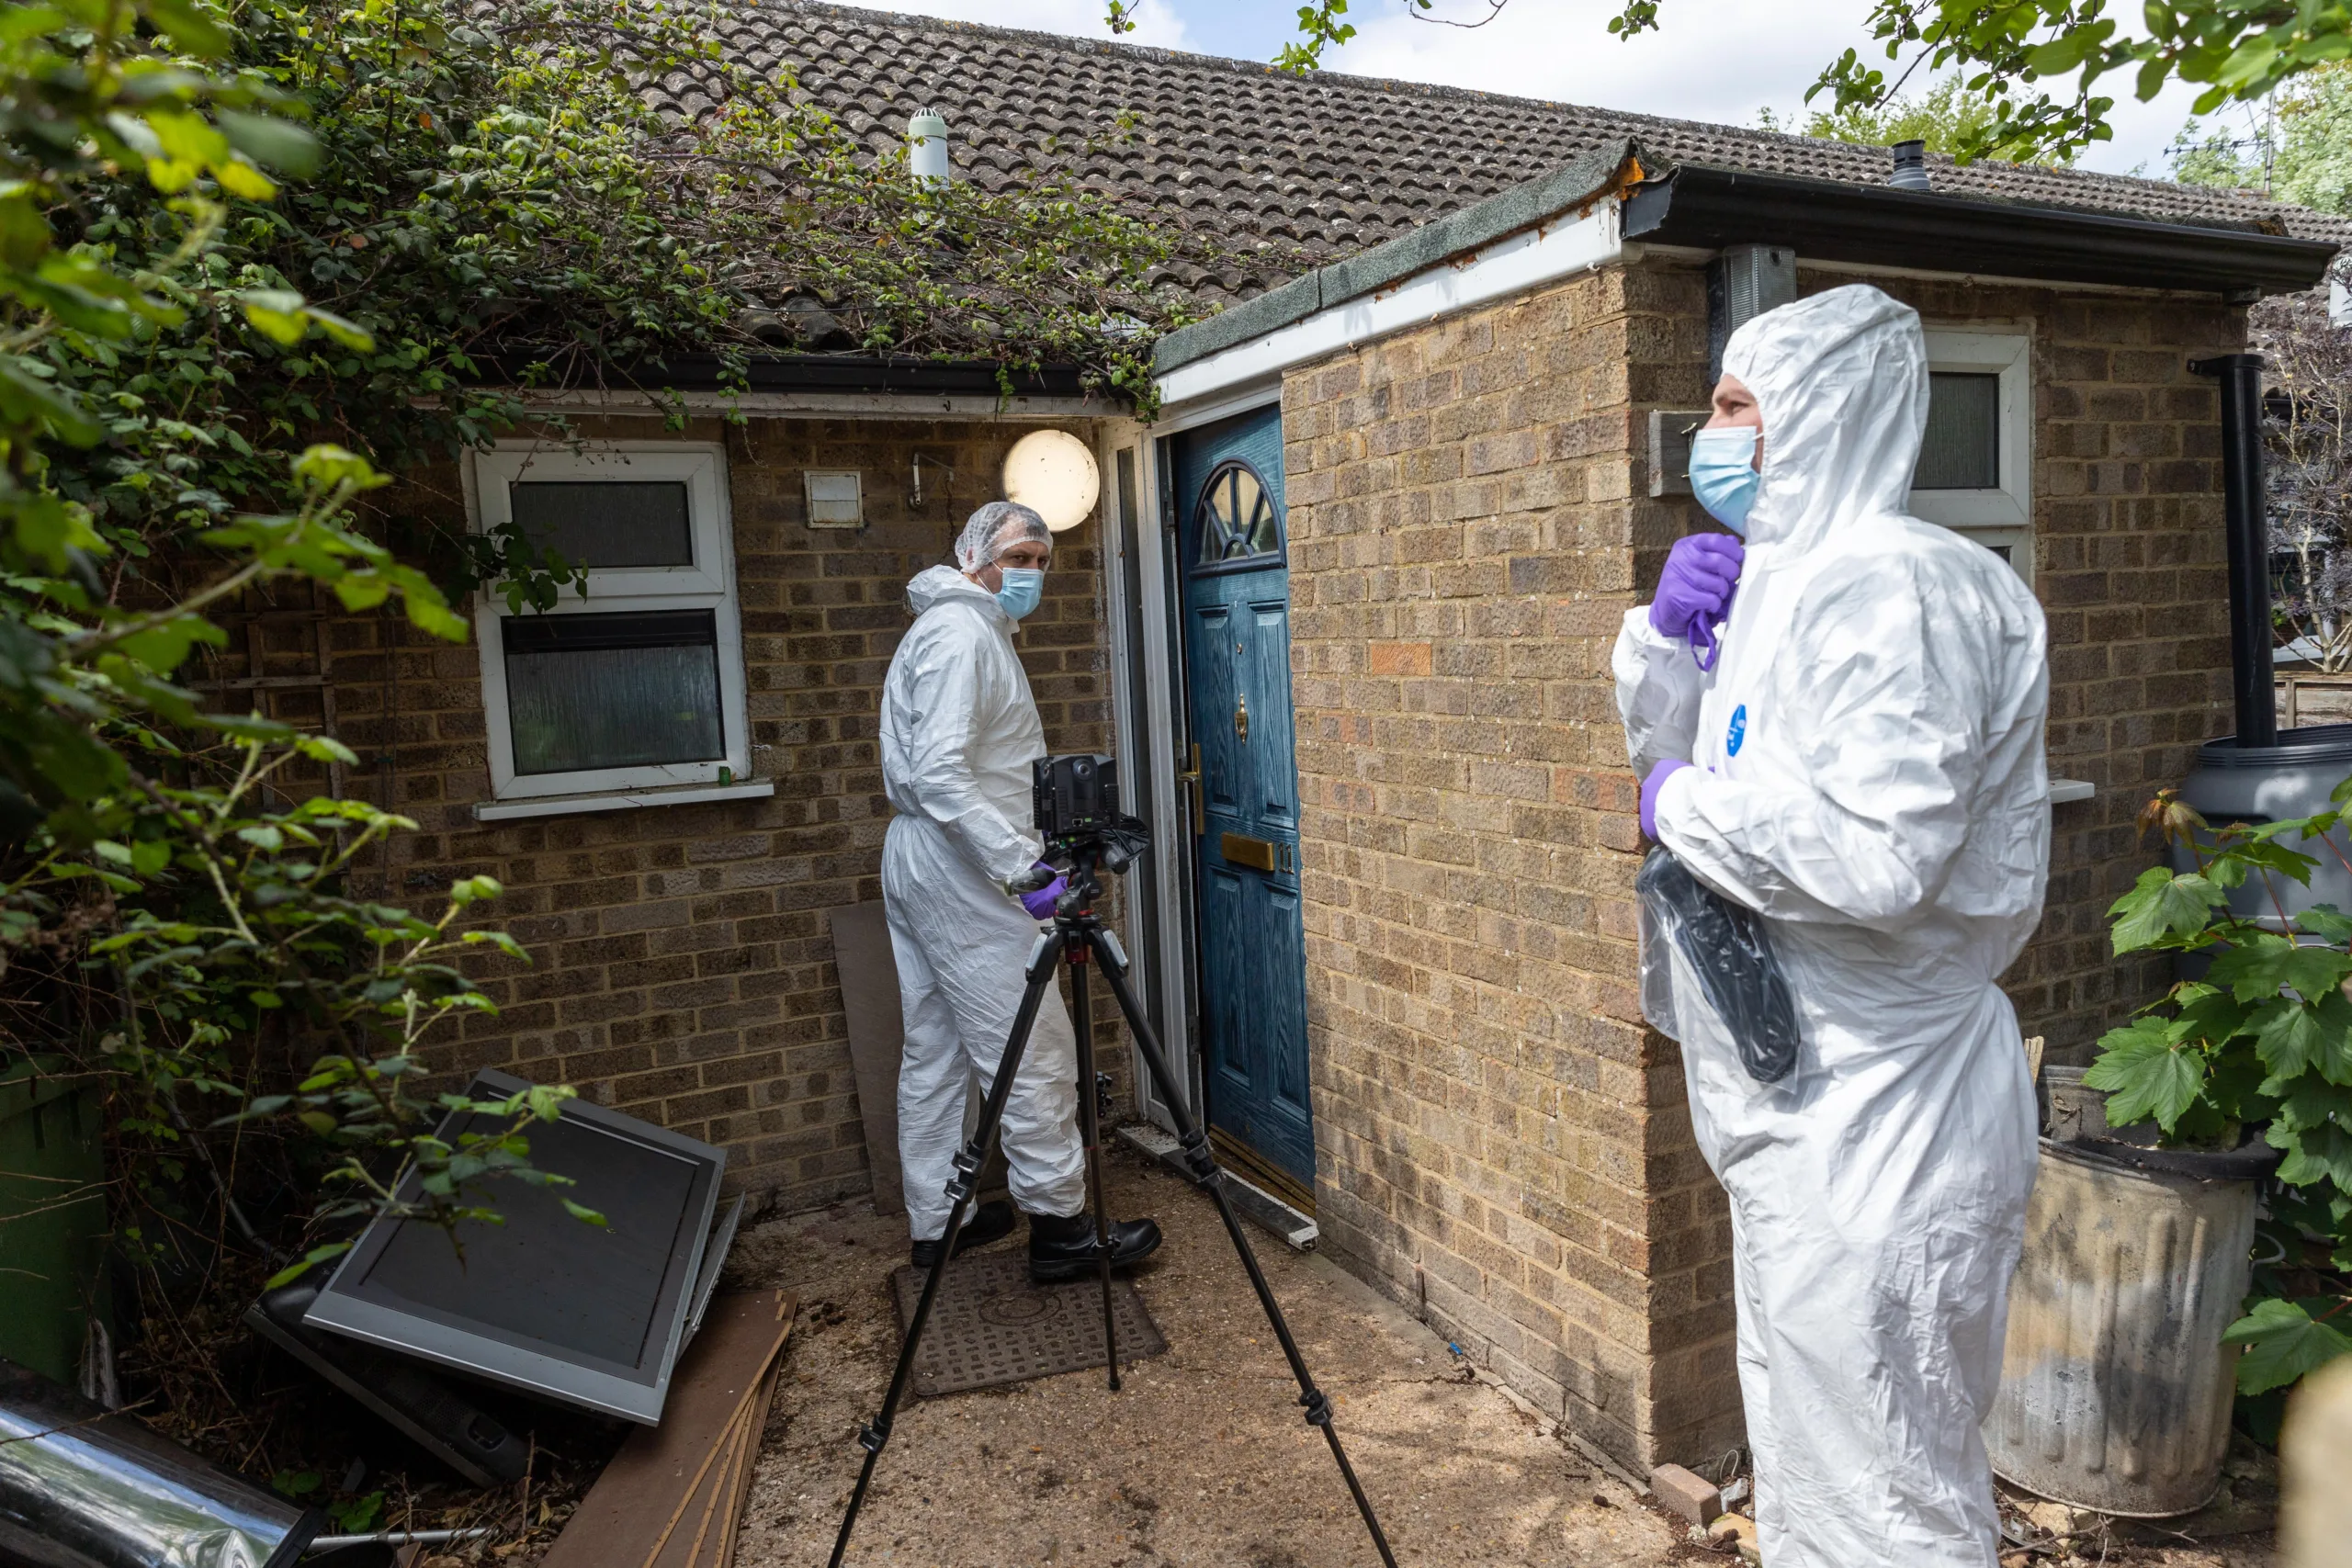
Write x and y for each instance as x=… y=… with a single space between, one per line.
x=1720 y=61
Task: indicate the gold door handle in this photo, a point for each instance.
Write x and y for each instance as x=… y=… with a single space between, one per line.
x=1241 y=717
x=1191 y=775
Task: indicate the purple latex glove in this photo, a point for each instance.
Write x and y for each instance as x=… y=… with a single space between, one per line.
x=1694 y=592
x=1040 y=904
x=1650 y=786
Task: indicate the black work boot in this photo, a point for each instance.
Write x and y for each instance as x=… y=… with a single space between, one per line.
x=1063 y=1249
x=991 y=1221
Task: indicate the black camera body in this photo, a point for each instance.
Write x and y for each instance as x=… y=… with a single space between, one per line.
x=1075 y=797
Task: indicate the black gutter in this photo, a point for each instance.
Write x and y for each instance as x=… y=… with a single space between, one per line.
x=1879 y=225
x=2246 y=522
x=904 y=376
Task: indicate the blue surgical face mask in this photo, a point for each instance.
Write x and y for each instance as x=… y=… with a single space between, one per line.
x=1024 y=586
x=1723 y=476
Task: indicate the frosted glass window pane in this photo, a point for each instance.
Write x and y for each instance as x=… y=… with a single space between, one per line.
x=618 y=691
x=1962 y=450
x=606 y=523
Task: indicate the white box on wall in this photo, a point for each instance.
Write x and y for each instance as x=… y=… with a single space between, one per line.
x=836 y=498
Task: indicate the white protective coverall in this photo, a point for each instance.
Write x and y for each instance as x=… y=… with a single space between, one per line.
x=959 y=730
x=1869 y=776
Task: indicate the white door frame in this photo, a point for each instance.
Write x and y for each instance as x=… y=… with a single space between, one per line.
x=1160 y=976
x=1167 y=972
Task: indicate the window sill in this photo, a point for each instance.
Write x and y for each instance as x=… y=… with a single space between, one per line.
x=2065 y=790
x=618 y=800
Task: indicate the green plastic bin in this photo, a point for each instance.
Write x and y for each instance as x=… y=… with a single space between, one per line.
x=53 y=1215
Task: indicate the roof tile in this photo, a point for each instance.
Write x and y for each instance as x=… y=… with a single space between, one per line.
x=1327 y=162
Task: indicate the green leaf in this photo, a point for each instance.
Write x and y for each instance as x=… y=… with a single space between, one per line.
x=2146 y=1074
x=2327 y=921
x=192 y=26
x=28 y=400
x=165 y=647
x=350 y=335
x=2061 y=55
x=2270 y=964
x=2163 y=904
x=309 y=1260
x=582 y=1212
x=277 y=313
x=2292 y=1039
x=472 y=889
x=2283 y=1342
x=272 y=143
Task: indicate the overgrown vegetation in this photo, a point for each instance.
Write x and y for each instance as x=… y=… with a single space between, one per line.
x=255 y=259
x=2307 y=457
x=2296 y=146
x=2038 y=62
x=1946 y=116
x=2262 y=1039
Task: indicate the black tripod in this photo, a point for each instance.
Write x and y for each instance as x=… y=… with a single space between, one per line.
x=1077 y=932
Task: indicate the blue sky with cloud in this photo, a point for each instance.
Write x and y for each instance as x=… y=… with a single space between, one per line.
x=1714 y=60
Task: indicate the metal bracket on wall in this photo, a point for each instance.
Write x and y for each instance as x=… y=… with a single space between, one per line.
x=1670 y=432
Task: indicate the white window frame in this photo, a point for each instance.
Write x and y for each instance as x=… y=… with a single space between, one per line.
x=707 y=584
x=2002 y=515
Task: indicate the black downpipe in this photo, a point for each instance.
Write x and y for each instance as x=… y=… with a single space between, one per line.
x=2246 y=524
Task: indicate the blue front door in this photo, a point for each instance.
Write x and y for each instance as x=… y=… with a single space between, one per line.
x=1229 y=493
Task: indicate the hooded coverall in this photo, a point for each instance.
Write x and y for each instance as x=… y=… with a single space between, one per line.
x=959 y=733
x=1868 y=774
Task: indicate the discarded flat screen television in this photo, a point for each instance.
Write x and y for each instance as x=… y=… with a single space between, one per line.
x=591 y=1315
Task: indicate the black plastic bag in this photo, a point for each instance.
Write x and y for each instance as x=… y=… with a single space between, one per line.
x=1730 y=951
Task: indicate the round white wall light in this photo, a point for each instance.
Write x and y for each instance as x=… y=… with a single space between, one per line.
x=1053 y=473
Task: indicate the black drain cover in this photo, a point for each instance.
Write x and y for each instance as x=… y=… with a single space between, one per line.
x=990 y=1326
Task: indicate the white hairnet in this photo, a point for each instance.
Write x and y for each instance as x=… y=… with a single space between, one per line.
x=1841 y=380
x=996 y=528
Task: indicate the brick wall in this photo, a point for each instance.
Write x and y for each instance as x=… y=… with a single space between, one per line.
x=1500 y=1138
x=682 y=968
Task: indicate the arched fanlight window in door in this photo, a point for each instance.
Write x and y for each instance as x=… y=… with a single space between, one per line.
x=1237 y=519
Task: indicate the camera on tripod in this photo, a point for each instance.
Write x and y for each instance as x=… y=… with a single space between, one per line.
x=1075 y=795
x=1075 y=800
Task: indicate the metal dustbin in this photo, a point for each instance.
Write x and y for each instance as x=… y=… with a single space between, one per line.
x=2116 y=1388
x=2271 y=783
x=53 y=1215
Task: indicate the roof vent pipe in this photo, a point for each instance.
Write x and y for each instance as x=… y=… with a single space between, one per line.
x=1910 y=167
x=927 y=148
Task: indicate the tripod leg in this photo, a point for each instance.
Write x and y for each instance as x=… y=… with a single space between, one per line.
x=1205 y=1172
x=877 y=1433
x=1090 y=1125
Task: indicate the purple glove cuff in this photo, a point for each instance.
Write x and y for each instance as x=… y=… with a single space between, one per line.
x=1650 y=787
x=1705 y=649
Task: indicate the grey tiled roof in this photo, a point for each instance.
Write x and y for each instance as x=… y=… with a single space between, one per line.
x=1327 y=162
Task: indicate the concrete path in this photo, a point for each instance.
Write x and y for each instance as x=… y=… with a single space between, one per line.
x=1203 y=1458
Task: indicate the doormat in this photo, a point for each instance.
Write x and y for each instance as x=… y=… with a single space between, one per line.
x=990 y=1326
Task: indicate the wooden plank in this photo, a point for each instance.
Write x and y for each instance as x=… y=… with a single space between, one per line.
x=692 y=1527
x=725 y=1557
x=869 y=982
x=673 y=1474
